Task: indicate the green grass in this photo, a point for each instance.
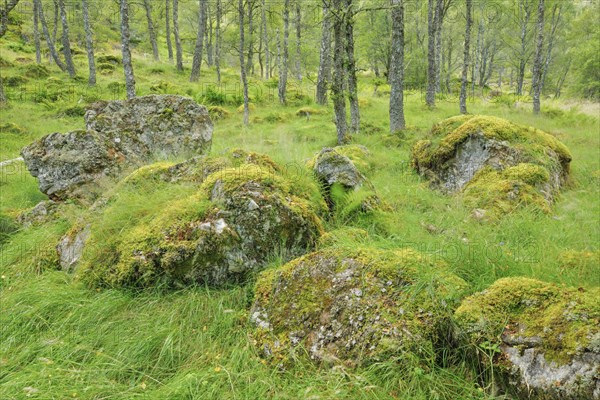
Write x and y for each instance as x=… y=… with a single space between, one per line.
x=63 y=340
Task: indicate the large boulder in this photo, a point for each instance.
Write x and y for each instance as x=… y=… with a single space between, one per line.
x=353 y=306
x=119 y=135
x=542 y=341
x=497 y=164
x=209 y=220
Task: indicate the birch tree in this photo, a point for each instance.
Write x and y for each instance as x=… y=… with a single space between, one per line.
x=242 y=64
x=197 y=61
x=65 y=40
x=36 y=33
x=283 y=63
x=49 y=41
x=89 y=43
x=218 y=41
x=168 y=29
x=151 y=31
x=465 y=68
x=178 y=50
x=337 y=87
x=298 y=22
x=351 y=68
x=126 y=52
x=324 y=75
x=537 y=62
x=396 y=74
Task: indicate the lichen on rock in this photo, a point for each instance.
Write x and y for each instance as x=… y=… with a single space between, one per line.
x=497 y=164
x=119 y=135
x=353 y=306
x=543 y=339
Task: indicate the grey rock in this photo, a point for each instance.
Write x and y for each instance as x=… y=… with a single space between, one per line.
x=70 y=248
x=533 y=373
x=41 y=213
x=119 y=135
x=472 y=155
x=331 y=166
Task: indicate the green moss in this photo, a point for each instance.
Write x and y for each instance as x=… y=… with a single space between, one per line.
x=358 y=154
x=528 y=173
x=159 y=223
x=218 y=112
x=307 y=112
x=354 y=305
x=448 y=134
x=565 y=318
x=343 y=236
x=505 y=191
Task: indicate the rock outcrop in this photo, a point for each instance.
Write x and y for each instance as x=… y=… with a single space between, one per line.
x=496 y=164
x=211 y=220
x=543 y=339
x=119 y=135
x=353 y=306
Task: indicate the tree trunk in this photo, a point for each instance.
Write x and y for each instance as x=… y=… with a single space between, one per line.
x=151 y=32
x=555 y=22
x=562 y=79
x=396 y=73
x=55 y=26
x=49 y=42
x=431 y=31
x=197 y=61
x=283 y=67
x=250 y=66
x=168 y=29
x=449 y=65
x=325 y=58
x=65 y=40
x=298 y=42
x=36 y=33
x=537 y=62
x=265 y=38
x=209 y=38
x=523 y=51
x=490 y=65
x=89 y=43
x=477 y=56
x=242 y=65
x=127 y=65
x=178 y=51
x=467 y=52
x=337 y=87
x=351 y=70
x=218 y=41
x=438 y=44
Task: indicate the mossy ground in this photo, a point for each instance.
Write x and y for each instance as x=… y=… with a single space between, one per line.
x=67 y=341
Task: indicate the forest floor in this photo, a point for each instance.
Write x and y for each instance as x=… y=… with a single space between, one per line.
x=61 y=339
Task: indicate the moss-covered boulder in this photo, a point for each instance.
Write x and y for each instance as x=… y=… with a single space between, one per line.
x=541 y=340
x=497 y=164
x=211 y=220
x=341 y=172
x=353 y=306
x=335 y=165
